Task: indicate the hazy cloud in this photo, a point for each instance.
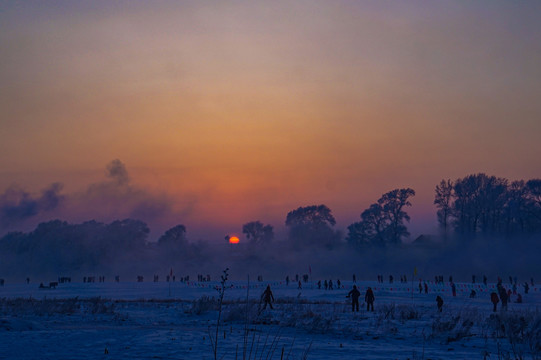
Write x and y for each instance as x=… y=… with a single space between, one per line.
x=115 y=197
x=17 y=205
x=117 y=172
x=118 y=197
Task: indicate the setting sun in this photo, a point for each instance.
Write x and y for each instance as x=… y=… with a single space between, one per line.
x=234 y=240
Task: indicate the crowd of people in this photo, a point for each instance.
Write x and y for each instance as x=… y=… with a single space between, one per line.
x=502 y=295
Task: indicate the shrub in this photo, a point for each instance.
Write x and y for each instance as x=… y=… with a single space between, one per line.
x=203 y=305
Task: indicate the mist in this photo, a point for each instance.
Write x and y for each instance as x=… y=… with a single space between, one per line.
x=121 y=248
x=117 y=228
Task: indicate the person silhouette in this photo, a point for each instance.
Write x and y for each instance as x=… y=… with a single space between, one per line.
x=439 y=301
x=354 y=294
x=369 y=299
x=267 y=297
x=495 y=300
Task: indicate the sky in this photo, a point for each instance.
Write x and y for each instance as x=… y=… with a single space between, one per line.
x=213 y=114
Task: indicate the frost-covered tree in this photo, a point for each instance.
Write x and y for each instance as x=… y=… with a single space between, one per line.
x=532 y=193
x=174 y=237
x=515 y=219
x=371 y=229
x=257 y=233
x=57 y=246
x=127 y=234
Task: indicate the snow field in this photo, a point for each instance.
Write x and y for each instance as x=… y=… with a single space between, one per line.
x=173 y=321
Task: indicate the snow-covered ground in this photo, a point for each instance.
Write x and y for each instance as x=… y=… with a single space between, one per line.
x=175 y=320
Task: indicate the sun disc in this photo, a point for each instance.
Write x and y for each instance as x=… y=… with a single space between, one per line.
x=234 y=240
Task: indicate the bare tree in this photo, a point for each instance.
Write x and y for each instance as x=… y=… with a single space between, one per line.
x=444 y=202
x=393 y=204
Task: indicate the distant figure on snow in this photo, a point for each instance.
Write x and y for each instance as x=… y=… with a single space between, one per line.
x=473 y=294
x=495 y=300
x=519 y=299
x=369 y=299
x=267 y=297
x=504 y=298
x=300 y=285
x=439 y=301
x=453 y=288
x=354 y=294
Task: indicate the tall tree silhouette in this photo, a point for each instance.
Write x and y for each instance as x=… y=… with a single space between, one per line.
x=479 y=204
x=312 y=225
x=383 y=222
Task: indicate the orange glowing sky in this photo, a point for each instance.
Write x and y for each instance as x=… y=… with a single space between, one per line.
x=241 y=111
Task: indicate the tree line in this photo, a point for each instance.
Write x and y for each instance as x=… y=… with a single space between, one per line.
x=487 y=205
x=476 y=205
x=469 y=207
